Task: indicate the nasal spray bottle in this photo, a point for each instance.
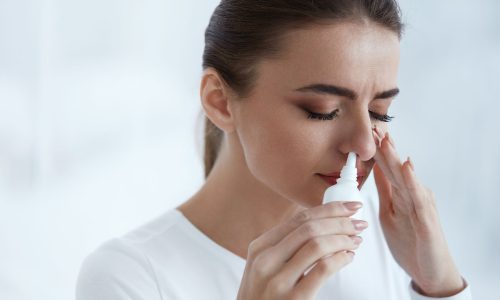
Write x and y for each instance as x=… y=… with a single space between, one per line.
x=346 y=188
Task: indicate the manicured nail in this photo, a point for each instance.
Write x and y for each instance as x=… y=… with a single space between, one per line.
x=411 y=164
x=356 y=239
x=353 y=206
x=359 y=224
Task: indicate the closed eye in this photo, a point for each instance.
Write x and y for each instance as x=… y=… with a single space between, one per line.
x=323 y=117
x=333 y=114
x=379 y=117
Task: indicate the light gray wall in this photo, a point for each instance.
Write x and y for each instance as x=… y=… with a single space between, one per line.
x=98 y=109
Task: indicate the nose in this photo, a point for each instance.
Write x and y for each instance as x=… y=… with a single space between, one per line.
x=358 y=136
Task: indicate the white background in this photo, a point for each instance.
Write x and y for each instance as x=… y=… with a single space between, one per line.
x=99 y=107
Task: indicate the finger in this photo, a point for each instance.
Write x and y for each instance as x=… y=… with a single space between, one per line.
x=388 y=160
x=391 y=159
x=379 y=133
x=312 y=251
x=377 y=138
x=277 y=233
x=308 y=287
x=381 y=160
x=415 y=189
x=286 y=248
x=402 y=200
x=384 y=190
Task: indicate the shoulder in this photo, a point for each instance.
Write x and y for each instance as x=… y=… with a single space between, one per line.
x=116 y=271
x=121 y=268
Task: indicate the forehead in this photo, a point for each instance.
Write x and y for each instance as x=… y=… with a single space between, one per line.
x=347 y=53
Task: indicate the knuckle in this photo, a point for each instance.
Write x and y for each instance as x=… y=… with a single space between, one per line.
x=340 y=209
x=260 y=265
x=323 y=267
x=316 y=245
x=277 y=285
x=334 y=208
x=346 y=240
x=255 y=246
x=346 y=225
x=309 y=229
x=252 y=247
x=301 y=217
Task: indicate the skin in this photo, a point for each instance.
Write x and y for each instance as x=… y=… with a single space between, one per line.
x=267 y=166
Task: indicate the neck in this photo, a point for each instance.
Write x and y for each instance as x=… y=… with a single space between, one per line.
x=233 y=207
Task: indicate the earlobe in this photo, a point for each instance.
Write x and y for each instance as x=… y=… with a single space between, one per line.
x=214 y=94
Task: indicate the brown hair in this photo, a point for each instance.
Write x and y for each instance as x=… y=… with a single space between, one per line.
x=242 y=32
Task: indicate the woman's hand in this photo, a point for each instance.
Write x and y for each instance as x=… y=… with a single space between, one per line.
x=277 y=260
x=411 y=226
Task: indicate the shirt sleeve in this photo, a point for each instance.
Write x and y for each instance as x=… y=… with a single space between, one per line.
x=465 y=294
x=116 y=271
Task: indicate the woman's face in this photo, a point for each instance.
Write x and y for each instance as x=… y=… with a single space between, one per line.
x=346 y=68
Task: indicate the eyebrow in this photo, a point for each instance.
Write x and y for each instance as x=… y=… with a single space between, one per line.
x=343 y=92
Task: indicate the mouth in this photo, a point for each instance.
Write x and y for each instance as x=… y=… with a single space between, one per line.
x=332 y=178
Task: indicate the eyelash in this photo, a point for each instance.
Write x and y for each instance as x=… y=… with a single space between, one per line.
x=333 y=114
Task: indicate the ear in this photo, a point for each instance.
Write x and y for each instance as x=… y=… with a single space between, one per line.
x=215 y=99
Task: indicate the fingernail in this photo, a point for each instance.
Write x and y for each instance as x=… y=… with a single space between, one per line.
x=353 y=206
x=359 y=224
x=356 y=239
x=411 y=164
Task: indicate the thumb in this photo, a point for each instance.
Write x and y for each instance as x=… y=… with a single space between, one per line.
x=384 y=189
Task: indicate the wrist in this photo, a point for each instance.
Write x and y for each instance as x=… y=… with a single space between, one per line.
x=444 y=289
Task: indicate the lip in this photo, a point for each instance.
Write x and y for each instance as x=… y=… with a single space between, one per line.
x=332 y=179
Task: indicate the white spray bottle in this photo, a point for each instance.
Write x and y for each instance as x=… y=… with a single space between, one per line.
x=346 y=188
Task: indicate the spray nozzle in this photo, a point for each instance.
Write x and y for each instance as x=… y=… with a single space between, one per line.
x=349 y=171
x=346 y=188
x=351 y=160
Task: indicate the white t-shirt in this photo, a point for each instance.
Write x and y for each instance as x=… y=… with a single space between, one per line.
x=170 y=259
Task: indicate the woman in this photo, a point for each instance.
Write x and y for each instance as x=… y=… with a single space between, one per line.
x=289 y=88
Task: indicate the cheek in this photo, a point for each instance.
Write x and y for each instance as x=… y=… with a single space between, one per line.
x=280 y=152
